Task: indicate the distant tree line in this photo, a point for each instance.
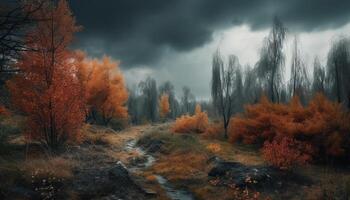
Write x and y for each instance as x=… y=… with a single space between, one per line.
x=144 y=101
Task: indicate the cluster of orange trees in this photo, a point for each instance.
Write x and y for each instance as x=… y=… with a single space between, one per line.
x=58 y=89
x=295 y=134
x=103 y=89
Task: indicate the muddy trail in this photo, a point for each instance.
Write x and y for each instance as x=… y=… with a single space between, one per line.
x=148 y=161
x=110 y=168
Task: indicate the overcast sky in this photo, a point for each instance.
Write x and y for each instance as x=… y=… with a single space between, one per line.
x=175 y=39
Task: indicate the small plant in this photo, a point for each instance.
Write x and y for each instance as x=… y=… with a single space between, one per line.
x=214 y=147
x=214 y=131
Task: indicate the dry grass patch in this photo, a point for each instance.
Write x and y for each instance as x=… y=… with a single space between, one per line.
x=101 y=135
x=182 y=166
x=57 y=167
x=238 y=153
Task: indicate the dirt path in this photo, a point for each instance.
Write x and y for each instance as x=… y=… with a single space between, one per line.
x=101 y=160
x=99 y=173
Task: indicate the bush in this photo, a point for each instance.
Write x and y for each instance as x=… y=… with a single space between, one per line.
x=322 y=124
x=4 y=111
x=214 y=131
x=197 y=123
x=287 y=153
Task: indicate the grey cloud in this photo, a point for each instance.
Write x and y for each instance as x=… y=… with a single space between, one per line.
x=139 y=31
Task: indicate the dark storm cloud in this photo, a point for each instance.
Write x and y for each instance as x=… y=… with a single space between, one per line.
x=139 y=31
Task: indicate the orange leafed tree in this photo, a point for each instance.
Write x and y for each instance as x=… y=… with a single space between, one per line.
x=164 y=107
x=198 y=123
x=104 y=88
x=47 y=89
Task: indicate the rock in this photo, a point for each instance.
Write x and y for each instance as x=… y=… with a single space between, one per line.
x=243 y=176
x=154 y=146
x=119 y=173
x=214 y=160
x=106 y=182
x=149 y=192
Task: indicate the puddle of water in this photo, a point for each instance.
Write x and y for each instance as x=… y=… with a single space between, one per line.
x=173 y=193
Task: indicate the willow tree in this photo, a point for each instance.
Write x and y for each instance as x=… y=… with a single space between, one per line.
x=150 y=94
x=338 y=70
x=271 y=63
x=299 y=82
x=188 y=100
x=319 y=77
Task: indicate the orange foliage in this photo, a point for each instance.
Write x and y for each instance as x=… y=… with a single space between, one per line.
x=214 y=147
x=104 y=88
x=214 y=131
x=47 y=89
x=4 y=111
x=286 y=153
x=323 y=124
x=198 y=123
x=164 y=107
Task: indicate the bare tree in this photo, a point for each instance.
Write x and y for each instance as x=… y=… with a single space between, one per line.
x=16 y=18
x=251 y=87
x=338 y=71
x=237 y=84
x=149 y=91
x=299 y=82
x=224 y=87
x=271 y=63
x=319 y=77
x=188 y=100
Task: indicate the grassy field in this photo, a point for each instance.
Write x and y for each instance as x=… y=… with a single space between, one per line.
x=182 y=159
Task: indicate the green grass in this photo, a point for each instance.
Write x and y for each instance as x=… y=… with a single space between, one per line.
x=174 y=142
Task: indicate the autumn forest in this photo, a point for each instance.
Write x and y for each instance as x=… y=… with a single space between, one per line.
x=76 y=124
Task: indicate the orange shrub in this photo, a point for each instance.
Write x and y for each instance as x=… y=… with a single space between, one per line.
x=4 y=111
x=286 y=153
x=198 y=123
x=214 y=131
x=214 y=147
x=323 y=124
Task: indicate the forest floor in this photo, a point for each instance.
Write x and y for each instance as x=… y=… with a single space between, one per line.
x=150 y=162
